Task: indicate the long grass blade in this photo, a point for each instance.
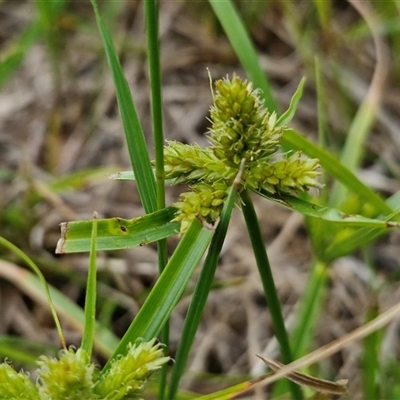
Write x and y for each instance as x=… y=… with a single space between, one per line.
x=329 y=214
x=287 y=116
x=30 y=284
x=151 y=7
x=133 y=130
x=168 y=289
x=4 y=242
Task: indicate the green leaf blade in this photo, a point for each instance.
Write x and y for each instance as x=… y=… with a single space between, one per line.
x=328 y=213
x=133 y=130
x=169 y=287
x=294 y=140
x=118 y=233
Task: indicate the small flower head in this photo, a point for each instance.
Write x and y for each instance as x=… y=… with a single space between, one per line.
x=241 y=126
x=128 y=373
x=205 y=200
x=16 y=385
x=68 y=377
x=190 y=163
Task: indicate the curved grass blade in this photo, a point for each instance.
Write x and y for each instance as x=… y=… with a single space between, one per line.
x=354 y=239
x=240 y=41
x=169 y=288
x=287 y=116
x=294 y=140
x=43 y=282
x=105 y=341
x=328 y=213
x=201 y=291
x=133 y=130
x=118 y=233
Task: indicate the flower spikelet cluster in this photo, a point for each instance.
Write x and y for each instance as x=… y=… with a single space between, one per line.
x=205 y=200
x=73 y=376
x=190 y=163
x=241 y=126
x=292 y=174
x=128 y=374
x=241 y=129
x=14 y=385
x=68 y=377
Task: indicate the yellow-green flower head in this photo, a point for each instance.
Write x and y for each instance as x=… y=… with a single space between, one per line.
x=205 y=200
x=290 y=175
x=68 y=377
x=241 y=126
x=242 y=129
x=16 y=385
x=127 y=375
x=190 y=163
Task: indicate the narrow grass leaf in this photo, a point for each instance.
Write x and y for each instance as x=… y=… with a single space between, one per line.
x=153 y=47
x=241 y=43
x=5 y=243
x=201 y=291
x=350 y=240
x=331 y=165
x=153 y=51
x=133 y=130
x=168 y=289
x=288 y=115
x=91 y=294
x=118 y=233
x=328 y=213
x=30 y=284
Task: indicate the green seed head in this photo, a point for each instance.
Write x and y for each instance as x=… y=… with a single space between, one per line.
x=241 y=128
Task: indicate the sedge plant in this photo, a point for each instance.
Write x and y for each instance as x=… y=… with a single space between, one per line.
x=251 y=149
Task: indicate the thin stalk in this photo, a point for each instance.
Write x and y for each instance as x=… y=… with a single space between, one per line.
x=267 y=280
x=91 y=293
x=202 y=289
x=151 y=10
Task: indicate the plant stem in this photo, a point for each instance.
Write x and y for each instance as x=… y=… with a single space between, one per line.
x=267 y=280
x=151 y=10
x=202 y=290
